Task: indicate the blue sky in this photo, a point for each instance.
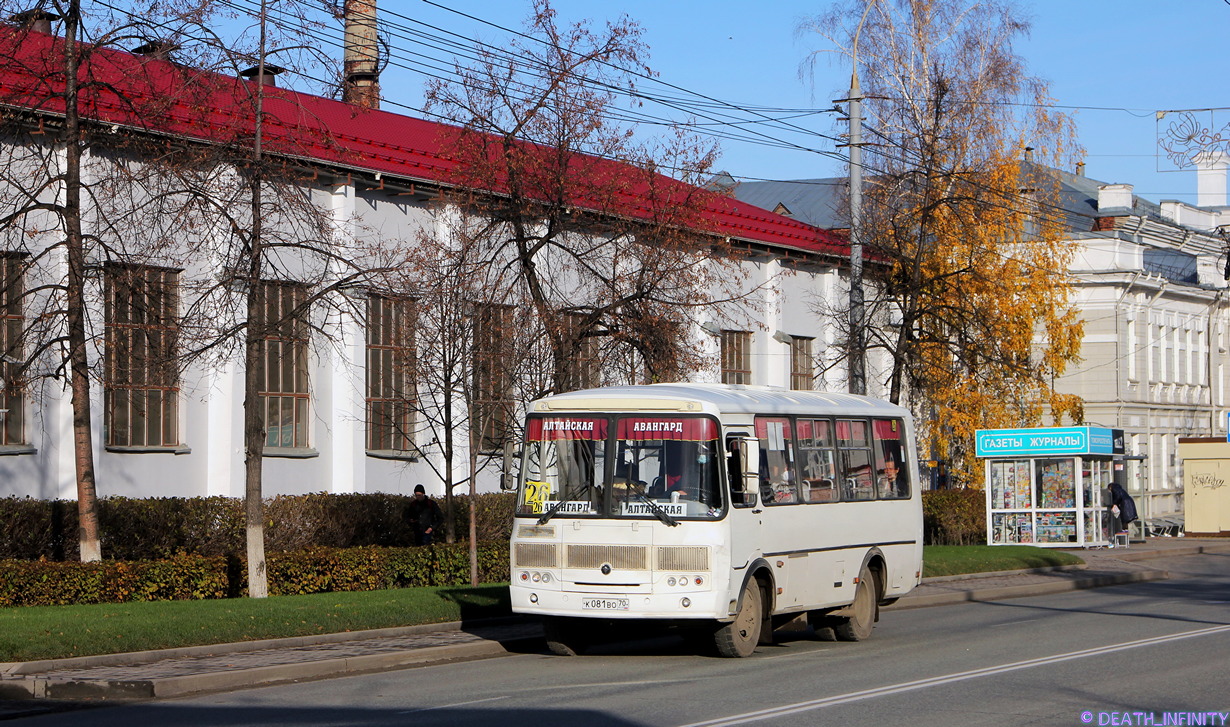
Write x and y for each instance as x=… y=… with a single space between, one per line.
x=1132 y=57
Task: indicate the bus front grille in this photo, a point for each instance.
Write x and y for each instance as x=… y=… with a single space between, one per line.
x=624 y=557
x=536 y=555
x=679 y=557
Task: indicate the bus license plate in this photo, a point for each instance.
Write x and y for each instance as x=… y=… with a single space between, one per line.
x=605 y=604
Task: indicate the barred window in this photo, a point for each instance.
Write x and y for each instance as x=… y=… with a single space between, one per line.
x=491 y=417
x=391 y=399
x=736 y=357
x=802 y=364
x=141 y=387
x=584 y=366
x=283 y=373
x=12 y=395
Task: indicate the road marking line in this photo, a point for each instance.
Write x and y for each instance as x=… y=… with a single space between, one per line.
x=1014 y=623
x=950 y=678
x=638 y=683
x=448 y=706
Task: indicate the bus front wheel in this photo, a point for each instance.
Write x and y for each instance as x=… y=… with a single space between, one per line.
x=564 y=637
x=739 y=637
x=861 y=620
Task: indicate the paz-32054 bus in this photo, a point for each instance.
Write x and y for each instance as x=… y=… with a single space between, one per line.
x=725 y=509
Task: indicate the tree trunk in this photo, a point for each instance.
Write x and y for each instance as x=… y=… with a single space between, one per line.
x=473 y=509
x=79 y=365
x=254 y=436
x=254 y=349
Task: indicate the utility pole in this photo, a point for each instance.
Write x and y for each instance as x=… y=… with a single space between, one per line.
x=857 y=337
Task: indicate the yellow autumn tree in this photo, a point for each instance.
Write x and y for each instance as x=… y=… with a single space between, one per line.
x=970 y=296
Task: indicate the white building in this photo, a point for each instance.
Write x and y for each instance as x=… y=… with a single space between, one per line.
x=159 y=433
x=1151 y=288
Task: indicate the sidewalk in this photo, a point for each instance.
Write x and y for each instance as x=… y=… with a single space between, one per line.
x=176 y=672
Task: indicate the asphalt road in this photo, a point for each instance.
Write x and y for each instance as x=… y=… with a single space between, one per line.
x=1122 y=655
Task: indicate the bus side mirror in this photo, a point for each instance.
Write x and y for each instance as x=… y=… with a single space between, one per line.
x=508 y=475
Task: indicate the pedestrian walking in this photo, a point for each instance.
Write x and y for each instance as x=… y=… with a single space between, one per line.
x=425 y=517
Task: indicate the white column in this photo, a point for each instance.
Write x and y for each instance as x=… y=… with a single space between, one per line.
x=223 y=434
x=346 y=368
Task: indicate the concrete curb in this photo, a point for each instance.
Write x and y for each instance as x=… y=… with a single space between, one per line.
x=1145 y=554
x=996 y=573
x=134 y=658
x=1022 y=591
x=45 y=688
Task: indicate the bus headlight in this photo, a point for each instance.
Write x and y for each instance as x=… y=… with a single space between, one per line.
x=670 y=581
x=533 y=598
x=685 y=602
x=536 y=577
x=546 y=577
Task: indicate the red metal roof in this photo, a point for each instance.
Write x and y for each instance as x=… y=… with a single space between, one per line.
x=161 y=97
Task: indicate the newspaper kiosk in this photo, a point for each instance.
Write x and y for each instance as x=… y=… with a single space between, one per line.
x=1047 y=487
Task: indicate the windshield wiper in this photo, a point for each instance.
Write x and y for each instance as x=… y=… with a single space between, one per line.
x=568 y=495
x=658 y=512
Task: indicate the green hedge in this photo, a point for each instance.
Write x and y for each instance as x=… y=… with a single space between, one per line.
x=954 y=517
x=212 y=527
x=185 y=577
x=154 y=528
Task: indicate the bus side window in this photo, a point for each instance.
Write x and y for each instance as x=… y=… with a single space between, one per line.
x=736 y=468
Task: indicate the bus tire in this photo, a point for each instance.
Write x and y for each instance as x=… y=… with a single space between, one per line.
x=862 y=619
x=564 y=637
x=740 y=637
x=822 y=625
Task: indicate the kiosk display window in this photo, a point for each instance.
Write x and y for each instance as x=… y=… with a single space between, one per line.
x=1012 y=527
x=1046 y=486
x=1056 y=527
x=1010 y=484
x=1056 y=483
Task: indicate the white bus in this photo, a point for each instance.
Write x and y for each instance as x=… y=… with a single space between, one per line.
x=728 y=510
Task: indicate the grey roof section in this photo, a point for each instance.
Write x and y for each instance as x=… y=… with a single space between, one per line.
x=823 y=202
x=818 y=202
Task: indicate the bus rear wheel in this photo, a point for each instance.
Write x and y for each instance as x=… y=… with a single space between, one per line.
x=739 y=637
x=862 y=619
x=564 y=636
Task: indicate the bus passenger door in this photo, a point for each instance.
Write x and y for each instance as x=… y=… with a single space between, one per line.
x=746 y=509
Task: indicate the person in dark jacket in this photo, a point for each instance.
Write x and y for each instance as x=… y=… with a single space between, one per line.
x=1122 y=508
x=425 y=516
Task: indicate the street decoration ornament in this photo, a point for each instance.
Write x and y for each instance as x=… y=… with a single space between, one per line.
x=1185 y=139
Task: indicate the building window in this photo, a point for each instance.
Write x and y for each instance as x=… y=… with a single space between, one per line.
x=584 y=365
x=283 y=374
x=390 y=374
x=12 y=397
x=736 y=357
x=802 y=364
x=492 y=406
x=141 y=392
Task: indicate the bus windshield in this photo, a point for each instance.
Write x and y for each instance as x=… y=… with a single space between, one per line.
x=660 y=466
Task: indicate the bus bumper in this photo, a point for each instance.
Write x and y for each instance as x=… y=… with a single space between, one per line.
x=681 y=605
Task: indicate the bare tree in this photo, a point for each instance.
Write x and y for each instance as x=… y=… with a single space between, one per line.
x=608 y=251
x=60 y=162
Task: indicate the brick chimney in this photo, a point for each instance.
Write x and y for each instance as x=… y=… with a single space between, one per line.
x=156 y=48
x=361 y=85
x=269 y=78
x=37 y=20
